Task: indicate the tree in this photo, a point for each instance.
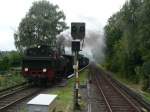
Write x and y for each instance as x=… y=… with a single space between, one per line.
x=128 y=43
x=4 y=63
x=40 y=26
x=15 y=59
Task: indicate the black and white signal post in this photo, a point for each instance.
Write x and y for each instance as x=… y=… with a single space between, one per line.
x=78 y=35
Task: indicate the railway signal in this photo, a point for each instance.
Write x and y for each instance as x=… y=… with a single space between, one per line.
x=76 y=45
x=78 y=35
x=78 y=30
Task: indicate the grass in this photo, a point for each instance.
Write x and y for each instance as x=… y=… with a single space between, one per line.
x=128 y=83
x=135 y=87
x=146 y=96
x=10 y=80
x=64 y=101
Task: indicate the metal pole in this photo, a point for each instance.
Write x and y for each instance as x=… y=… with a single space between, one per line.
x=149 y=83
x=76 y=79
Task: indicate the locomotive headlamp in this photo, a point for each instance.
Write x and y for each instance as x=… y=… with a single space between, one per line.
x=44 y=70
x=26 y=69
x=38 y=46
x=78 y=30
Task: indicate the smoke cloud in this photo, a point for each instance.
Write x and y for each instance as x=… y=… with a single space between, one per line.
x=94 y=44
x=94 y=41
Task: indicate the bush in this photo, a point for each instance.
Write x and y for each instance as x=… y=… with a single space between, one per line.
x=4 y=64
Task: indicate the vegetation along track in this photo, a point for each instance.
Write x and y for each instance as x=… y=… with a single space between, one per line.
x=115 y=100
x=15 y=96
x=12 y=89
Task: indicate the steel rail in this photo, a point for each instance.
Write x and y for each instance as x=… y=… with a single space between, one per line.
x=14 y=101
x=136 y=96
x=12 y=88
x=106 y=101
x=12 y=92
x=124 y=96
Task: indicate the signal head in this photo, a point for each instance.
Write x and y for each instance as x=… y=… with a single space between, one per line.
x=78 y=30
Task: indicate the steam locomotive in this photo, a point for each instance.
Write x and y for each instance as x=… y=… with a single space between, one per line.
x=44 y=64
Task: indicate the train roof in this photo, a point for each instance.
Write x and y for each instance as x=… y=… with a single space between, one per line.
x=37 y=58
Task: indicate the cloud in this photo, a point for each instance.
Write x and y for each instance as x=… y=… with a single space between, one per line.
x=94 y=12
x=6 y=40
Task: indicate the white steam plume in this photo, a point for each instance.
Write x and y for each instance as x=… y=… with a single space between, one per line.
x=94 y=44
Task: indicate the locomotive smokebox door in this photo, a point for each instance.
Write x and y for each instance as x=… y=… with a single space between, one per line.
x=75 y=45
x=78 y=30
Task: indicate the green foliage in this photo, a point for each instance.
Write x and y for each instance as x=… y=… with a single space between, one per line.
x=4 y=63
x=8 y=81
x=9 y=59
x=64 y=101
x=40 y=26
x=146 y=68
x=128 y=43
x=14 y=58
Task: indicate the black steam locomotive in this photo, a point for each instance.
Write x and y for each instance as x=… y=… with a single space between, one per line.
x=45 y=64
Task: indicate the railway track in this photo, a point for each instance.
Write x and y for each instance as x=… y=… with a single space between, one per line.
x=112 y=98
x=8 y=90
x=9 y=98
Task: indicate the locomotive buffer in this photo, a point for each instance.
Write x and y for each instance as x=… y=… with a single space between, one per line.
x=78 y=34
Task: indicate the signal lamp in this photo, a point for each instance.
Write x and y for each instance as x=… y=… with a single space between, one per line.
x=75 y=45
x=82 y=29
x=44 y=70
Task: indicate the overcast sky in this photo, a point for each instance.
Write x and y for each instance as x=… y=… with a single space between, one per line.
x=94 y=12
